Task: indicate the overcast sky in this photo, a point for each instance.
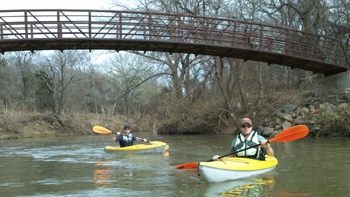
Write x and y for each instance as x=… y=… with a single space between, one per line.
x=54 y=4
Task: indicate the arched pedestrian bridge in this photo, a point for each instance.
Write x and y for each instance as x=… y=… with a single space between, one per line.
x=22 y=30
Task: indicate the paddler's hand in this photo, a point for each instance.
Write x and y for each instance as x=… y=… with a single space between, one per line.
x=269 y=150
x=145 y=140
x=265 y=143
x=215 y=158
x=115 y=137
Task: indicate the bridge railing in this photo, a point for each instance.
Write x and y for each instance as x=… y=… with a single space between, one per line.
x=159 y=27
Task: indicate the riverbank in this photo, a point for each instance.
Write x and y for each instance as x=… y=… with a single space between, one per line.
x=15 y=125
x=328 y=116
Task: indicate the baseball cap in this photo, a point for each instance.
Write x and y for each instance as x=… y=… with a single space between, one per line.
x=246 y=120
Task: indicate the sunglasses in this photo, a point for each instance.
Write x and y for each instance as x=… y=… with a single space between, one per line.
x=244 y=126
x=127 y=129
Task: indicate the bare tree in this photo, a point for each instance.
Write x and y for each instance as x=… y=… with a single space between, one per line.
x=59 y=67
x=23 y=61
x=338 y=21
x=193 y=7
x=5 y=83
x=126 y=75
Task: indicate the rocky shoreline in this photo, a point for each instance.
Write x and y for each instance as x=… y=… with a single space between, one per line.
x=323 y=116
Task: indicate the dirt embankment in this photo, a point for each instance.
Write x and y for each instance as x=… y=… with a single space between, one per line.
x=14 y=125
x=216 y=120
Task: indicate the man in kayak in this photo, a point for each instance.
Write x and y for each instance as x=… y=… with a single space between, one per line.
x=126 y=138
x=247 y=137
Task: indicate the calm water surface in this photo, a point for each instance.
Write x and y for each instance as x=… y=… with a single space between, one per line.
x=79 y=166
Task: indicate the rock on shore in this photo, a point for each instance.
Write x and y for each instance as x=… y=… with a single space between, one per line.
x=291 y=115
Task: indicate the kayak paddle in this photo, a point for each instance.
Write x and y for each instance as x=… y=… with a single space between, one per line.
x=102 y=130
x=290 y=134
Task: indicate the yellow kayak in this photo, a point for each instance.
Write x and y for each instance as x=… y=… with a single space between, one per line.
x=152 y=147
x=230 y=168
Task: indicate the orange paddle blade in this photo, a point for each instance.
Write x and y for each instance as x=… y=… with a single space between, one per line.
x=166 y=147
x=153 y=142
x=101 y=130
x=156 y=143
x=187 y=165
x=290 y=134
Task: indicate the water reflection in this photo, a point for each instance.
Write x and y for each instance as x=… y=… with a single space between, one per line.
x=247 y=187
x=242 y=187
x=107 y=171
x=102 y=175
x=166 y=154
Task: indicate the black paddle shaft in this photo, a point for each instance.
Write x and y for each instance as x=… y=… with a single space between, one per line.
x=237 y=151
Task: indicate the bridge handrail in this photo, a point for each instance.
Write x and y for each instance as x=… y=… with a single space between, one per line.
x=159 y=27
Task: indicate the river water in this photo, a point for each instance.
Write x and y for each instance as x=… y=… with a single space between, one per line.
x=79 y=166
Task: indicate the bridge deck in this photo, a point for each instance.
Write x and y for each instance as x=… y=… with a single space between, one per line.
x=22 y=30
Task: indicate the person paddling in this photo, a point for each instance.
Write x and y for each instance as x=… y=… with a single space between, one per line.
x=247 y=137
x=126 y=138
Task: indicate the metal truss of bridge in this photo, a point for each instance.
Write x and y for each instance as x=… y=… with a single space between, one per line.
x=22 y=30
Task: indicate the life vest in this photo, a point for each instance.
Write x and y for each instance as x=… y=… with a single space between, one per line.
x=126 y=141
x=241 y=143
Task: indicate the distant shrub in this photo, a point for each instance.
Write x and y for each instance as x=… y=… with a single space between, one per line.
x=333 y=122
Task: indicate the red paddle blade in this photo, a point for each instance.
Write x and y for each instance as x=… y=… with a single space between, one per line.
x=101 y=130
x=187 y=165
x=290 y=134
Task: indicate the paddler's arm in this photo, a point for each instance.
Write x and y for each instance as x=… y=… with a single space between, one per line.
x=114 y=139
x=216 y=157
x=140 y=139
x=269 y=150
x=232 y=149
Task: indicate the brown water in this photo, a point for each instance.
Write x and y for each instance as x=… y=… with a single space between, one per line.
x=79 y=166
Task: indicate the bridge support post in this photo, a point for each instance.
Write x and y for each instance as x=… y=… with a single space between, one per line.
x=332 y=85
